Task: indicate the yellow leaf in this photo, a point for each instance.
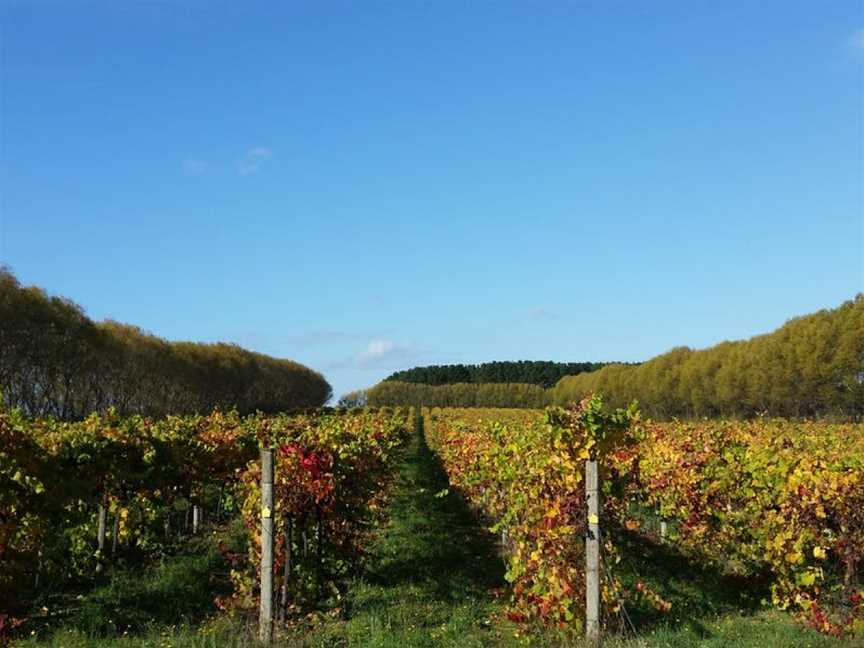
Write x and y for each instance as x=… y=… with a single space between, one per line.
x=793 y=557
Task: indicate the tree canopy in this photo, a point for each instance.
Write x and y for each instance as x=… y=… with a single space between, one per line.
x=812 y=366
x=393 y=393
x=55 y=361
x=533 y=372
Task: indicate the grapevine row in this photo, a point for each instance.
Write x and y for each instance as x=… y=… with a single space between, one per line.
x=62 y=483
x=763 y=497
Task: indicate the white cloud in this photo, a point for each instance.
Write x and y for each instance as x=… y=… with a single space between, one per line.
x=193 y=166
x=380 y=354
x=253 y=160
x=378 y=350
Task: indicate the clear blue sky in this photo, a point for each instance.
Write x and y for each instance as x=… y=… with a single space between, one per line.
x=368 y=186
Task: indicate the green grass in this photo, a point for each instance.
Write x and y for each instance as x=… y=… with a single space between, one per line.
x=431 y=572
x=178 y=591
x=429 y=581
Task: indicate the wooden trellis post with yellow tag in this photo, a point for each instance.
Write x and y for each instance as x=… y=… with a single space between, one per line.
x=592 y=552
x=265 y=616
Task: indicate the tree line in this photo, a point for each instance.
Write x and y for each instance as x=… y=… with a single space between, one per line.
x=55 y=361
x=391 y=393
x=533 y=372
x=812 y=366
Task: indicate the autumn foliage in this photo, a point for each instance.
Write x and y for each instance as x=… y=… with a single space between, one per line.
x=771 y=497
x=812 y=366
x=525 y=471
x=55 y=361
x=146 y=473
x=330 y=476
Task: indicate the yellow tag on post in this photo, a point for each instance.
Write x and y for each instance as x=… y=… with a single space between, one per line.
x=593 y=519
x=266 y=512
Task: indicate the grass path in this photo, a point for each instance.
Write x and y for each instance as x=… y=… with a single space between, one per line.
x=431 y=573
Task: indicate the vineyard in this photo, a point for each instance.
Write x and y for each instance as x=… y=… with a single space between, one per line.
x=77 y=497
x=764 y=497
x=770 y=502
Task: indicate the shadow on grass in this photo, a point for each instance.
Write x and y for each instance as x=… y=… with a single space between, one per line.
x=433 y=545
x=182 y=589
x=697 y=592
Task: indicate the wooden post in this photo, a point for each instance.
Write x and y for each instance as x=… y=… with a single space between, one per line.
x=265 y=616
x=196 y=518
x=100 y=532
x=592 y=554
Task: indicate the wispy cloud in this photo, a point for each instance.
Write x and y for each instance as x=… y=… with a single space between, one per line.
x=856 y=41
x=194 y=166
x=380 y=354
x=377 y=351
x=253 y=160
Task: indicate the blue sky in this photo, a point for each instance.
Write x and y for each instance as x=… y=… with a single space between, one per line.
x=370 y=186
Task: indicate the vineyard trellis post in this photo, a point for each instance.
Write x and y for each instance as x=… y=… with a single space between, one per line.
x=265 y=617
x=101 y=530
x=196 y=518
x=592 y=553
